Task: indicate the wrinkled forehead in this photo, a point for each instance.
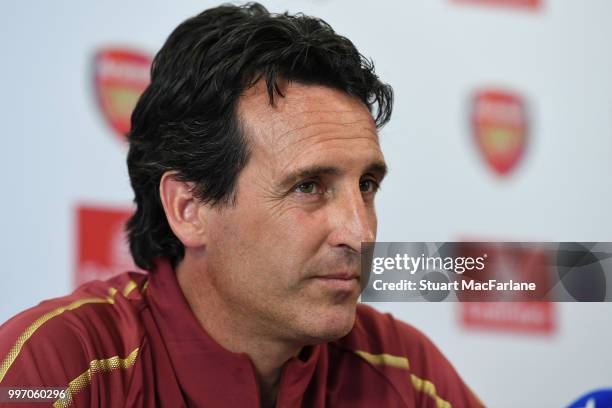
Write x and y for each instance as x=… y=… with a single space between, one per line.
x=306 y=114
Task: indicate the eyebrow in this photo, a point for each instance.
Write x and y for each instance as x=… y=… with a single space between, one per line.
x=377 y=168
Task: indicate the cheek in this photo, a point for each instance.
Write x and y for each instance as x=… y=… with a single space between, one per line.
x=300 y=241
x=304 y=227
x=250 y=242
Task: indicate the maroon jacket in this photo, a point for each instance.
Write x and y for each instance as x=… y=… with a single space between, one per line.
x=133 y=341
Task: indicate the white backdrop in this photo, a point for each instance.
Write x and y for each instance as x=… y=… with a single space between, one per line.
x=58 y=152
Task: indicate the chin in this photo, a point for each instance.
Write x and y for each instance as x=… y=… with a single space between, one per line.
x=330 y=324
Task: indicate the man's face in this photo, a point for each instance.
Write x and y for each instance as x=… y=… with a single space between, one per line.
x=286 y=257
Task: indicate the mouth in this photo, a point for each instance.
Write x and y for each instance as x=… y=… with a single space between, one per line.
x=339 y=281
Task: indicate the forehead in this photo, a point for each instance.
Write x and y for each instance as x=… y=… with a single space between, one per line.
x=309 y=120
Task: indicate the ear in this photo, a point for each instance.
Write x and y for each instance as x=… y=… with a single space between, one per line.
x=183 y=210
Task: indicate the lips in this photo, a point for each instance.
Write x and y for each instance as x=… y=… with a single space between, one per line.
x=339 y=276
x=339 y=282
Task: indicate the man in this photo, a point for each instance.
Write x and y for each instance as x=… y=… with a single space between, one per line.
x=255 y=160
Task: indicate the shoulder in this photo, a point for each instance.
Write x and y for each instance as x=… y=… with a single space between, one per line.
x=406 y=356
x=57 y=341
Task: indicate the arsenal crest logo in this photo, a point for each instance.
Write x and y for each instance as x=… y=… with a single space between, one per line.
x=499 y=122
x=120 y=77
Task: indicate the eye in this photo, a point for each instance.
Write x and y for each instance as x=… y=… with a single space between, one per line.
x=308 y=187
x=368 y=186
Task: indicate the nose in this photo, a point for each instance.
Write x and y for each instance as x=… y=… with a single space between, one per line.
x=353 y=220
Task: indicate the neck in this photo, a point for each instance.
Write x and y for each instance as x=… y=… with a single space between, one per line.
x=234 y=330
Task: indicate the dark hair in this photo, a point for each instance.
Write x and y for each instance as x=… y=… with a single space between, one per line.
x=185 y=120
